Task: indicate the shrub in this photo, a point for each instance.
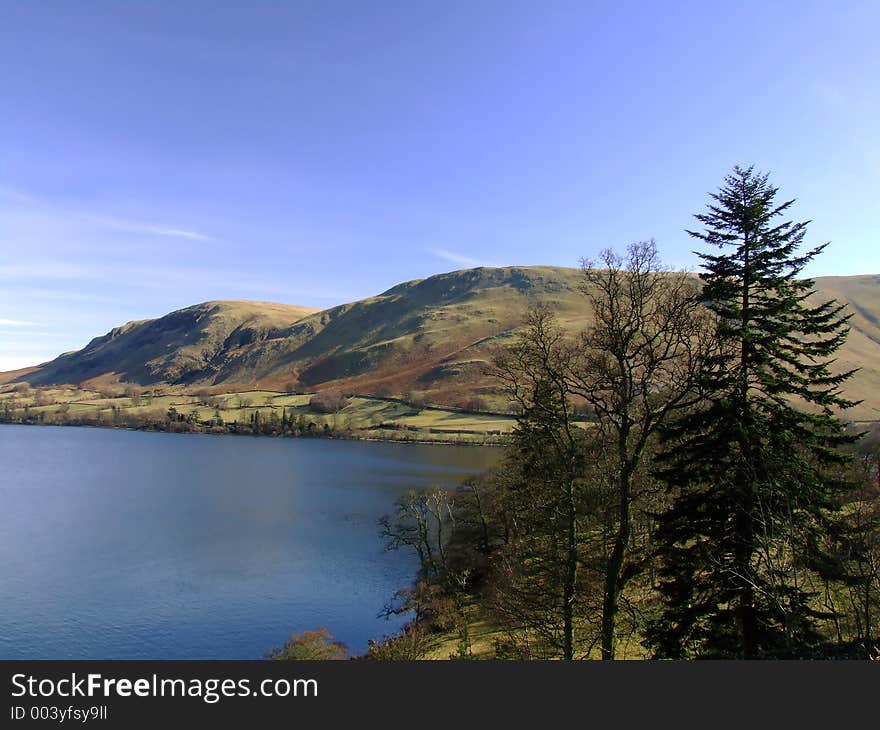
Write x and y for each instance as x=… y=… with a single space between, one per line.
x=328 y=401
x=412 y=643
x=416 y=399
x=310 y=645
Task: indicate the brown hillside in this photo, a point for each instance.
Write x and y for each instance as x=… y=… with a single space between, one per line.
x=433 y=336
x=183 y=346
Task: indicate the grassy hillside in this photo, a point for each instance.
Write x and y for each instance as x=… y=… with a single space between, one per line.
x=430 y=337
x=182 y=347
x=861 y=294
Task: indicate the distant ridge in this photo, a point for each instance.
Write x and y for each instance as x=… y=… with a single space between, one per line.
x=431 y=335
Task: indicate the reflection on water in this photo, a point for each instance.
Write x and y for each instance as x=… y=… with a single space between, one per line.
x=120 y=544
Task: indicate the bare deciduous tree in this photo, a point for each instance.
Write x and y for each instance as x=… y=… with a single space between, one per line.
x=636 y=365
x=539 y=568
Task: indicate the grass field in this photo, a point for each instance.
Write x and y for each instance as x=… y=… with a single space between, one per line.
x=360 y=417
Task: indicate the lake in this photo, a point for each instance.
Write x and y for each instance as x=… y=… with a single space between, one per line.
x=136 y=545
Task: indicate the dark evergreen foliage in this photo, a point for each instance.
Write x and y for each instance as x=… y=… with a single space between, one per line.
x=749 y=468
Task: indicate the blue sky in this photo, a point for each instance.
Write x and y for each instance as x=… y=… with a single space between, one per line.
x=154 y=155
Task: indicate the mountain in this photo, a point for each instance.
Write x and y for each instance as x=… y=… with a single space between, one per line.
x=432 y=335
x=173 y=348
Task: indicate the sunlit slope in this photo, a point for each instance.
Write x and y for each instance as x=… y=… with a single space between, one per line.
x=861 y=294
x=183 y=346
x=433 y=336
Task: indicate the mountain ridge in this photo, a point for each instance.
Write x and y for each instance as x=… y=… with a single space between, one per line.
x=432 y=335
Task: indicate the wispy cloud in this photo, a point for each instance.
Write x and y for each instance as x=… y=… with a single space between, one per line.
x=18 y=323
x=153 y=229
x=456 y=258
x=39 y=295
x=201 y=281
x=46 y=270
x=17 y=196
x=126 y=225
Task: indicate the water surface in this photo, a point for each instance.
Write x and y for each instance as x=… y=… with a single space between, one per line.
x=134 y=545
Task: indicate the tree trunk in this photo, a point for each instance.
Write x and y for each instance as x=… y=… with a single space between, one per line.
x=615 y=567
x=570 y=576
x=869 y=647
x=743 y=559
x=745 y=531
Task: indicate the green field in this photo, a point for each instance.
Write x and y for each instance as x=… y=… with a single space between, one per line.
x=360 y=417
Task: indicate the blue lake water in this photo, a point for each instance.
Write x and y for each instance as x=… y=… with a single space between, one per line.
x=133 y=545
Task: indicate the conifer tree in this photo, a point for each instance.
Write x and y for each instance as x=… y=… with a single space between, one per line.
x=749 y=468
